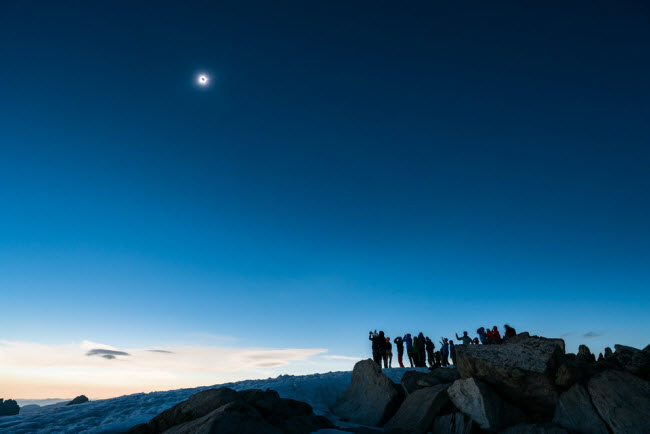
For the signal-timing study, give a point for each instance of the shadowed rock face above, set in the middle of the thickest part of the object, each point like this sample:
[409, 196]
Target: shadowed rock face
[226, 411]
[475, 399]
[622, 400]
[78, 400]
[522, 370]
[419, 409]
[575, 412]
[372, 397]
[633, 360]
[455, 423]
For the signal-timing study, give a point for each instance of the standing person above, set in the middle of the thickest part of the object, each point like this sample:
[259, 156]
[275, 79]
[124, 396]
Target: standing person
[430, 347]
[466, 339]
[490, 336]
[510, 332]
[444, 352]
[482, 336]
[422, 348]
[389, 354]
[377, 346]
[496, 336]
[409, 347]
[399, 343]
[438, 359]
[452, 352]
[416, 352]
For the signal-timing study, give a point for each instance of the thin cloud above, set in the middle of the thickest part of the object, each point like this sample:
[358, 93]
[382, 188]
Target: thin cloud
[335, 357]
[161, 351]
[564, 335]
[107, 354]
[590, 335]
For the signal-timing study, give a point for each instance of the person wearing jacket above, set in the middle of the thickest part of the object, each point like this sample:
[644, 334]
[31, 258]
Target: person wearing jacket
[409, 347]
[416, 352]
[388, 356]
[430, 347]
[422, 350]
[444, 352]
[496, 336]
[466, 339]
[378, 346]
[510, 332]
[452, 352]
[483, 336]
[399, 343]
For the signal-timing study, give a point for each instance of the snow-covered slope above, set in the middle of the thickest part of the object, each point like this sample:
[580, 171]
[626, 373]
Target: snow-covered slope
[119, 414]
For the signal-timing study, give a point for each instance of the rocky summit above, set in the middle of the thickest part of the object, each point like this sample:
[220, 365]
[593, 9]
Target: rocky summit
[527, 385]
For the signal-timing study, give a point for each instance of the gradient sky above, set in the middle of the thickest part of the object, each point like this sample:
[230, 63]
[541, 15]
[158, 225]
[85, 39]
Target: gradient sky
[406, 166]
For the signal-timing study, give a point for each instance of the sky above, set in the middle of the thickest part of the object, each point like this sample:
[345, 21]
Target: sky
[402, 166]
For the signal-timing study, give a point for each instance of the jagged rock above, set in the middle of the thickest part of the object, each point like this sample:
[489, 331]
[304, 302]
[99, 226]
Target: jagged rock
[600, 357]
[521, 371]
[417, 412]
[448, 374]
[455, 423]
[535, 429]
[222, 409]
[622, 400]
[575, 412]
[372, 397]
[634, 360]
[476, 400]
[195, 407]
[414, 380]
[585, 355]
[9, 407]
[574, 371]
[237, 417]
[78, 400]
[608, 352]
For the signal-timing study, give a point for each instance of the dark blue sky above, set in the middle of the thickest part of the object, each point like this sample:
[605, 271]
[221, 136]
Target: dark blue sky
[409, 166]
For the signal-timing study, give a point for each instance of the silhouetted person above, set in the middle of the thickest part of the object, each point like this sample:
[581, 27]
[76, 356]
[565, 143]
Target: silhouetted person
[378, 346]
[495, 336]
[466, 339]
[452, 351]
[444, 352]
[388, 357]
[510, 332]
[438, 359]
[483, 336]
[430, 346]
[399, 343]
[409, 347]
[422, 343]
[475, 341]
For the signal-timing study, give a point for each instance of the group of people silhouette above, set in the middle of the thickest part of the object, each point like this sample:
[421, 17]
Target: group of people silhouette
[420, 349]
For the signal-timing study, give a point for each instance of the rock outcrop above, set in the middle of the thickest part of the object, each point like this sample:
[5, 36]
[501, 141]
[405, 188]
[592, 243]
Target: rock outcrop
[576, 413]
[522, 370]
[78, 400]
[535, 429]
[372, 397]
[9, 407]
[454, 423]
[633, 360]
[417, 412]
[226, 411]
[476, 400]
[622, 400]
[414, 380]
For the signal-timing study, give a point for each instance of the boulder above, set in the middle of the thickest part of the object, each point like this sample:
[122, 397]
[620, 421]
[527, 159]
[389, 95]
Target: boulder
[414, 380]
[575, 412]
[476, 400]
[447, 374]
[535, 429]
[585, 355]
[417, 412]
[78, 400]
[574, 371]
[608, 353]
[236, 417]
[195, 407]
[372, 397]
[634, 360]
[622, 400]
[455, 423]
[522, 371]
[9, 407]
